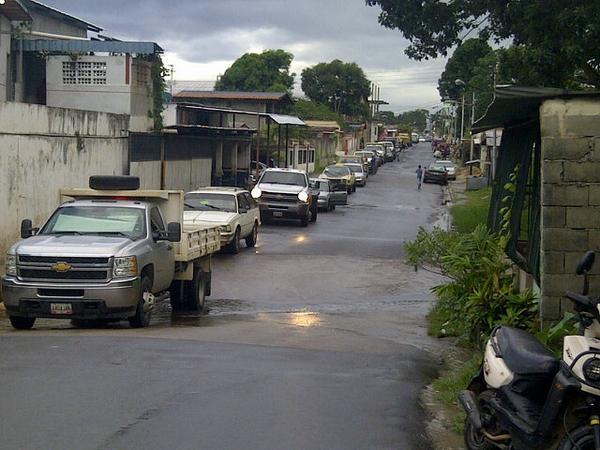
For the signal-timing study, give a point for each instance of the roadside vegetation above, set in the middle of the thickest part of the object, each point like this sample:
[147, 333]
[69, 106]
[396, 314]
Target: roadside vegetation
[477, 295]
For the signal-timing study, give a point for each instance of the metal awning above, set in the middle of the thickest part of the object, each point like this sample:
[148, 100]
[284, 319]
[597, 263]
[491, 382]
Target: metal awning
[281, 119]
[514, 105]
[212, 130]
[81, 46]
[15, 10]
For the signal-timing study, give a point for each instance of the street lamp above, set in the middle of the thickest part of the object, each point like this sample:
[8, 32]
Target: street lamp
[462, 84]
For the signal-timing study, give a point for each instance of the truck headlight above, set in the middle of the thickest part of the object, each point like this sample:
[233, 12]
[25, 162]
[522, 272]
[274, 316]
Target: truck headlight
[256, 192]
[11, 265]
[125, 266]
[303, 196]
[225, 228]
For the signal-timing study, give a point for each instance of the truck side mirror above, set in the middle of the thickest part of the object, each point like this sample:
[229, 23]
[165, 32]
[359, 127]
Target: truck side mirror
[174, 232]
[26, 229]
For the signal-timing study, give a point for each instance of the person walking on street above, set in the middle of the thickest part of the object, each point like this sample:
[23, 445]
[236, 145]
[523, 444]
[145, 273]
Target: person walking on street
[419, 176]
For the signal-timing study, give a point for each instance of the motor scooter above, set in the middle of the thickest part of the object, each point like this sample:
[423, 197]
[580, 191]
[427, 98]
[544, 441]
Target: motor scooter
[525, 398]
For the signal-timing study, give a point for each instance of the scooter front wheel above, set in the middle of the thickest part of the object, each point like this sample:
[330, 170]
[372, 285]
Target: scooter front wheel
[581, 438]
[474, 439]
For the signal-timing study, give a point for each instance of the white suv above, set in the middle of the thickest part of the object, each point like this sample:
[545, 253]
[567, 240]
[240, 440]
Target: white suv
[232, 209]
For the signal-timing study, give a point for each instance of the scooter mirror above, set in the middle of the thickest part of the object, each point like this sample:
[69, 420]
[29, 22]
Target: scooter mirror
[586, 263]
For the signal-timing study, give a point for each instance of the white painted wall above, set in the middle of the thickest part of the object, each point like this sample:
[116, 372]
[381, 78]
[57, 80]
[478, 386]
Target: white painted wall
[119, 95]
[41, 152]
[4, 53]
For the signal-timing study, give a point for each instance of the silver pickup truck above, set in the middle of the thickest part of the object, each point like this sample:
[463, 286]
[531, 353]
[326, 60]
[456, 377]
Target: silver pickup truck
[108, 252]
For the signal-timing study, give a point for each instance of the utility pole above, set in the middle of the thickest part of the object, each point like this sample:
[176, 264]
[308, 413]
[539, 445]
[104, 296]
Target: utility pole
[172, 73]
[472, 122]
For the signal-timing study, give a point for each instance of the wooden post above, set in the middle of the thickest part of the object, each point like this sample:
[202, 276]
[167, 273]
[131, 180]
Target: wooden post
[257, 146]
[268, 139]
[287, 138]
[278, 145]
[163, 163]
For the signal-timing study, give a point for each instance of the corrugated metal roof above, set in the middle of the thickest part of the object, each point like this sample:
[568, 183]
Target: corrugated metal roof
[281, 119]
[322, 124]
[15, 10]
[78, 46]
[40, 6]
[517, 104]
[232, 95]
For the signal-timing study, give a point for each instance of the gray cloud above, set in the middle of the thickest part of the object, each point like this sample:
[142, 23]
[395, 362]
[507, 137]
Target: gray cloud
[205, 31]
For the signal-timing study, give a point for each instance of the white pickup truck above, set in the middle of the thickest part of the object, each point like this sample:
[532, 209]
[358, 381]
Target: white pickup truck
[108, 253]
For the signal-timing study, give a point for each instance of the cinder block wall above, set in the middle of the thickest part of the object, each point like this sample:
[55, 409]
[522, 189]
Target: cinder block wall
[570, 131]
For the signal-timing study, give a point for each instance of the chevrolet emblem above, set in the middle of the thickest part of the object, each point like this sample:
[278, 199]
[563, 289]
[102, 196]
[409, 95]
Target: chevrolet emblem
[61, 267]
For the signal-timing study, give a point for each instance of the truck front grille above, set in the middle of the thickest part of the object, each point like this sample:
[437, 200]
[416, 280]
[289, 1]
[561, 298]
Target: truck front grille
[273, 197]
[64, 268]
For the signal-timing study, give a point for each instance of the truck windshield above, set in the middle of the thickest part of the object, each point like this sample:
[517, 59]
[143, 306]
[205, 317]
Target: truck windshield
[100, 220]
[337, 171]
[291, 178]
[210, 202]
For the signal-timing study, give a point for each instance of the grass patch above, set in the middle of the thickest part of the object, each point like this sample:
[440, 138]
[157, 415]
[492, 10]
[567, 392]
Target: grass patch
[472, 211]
[448, 386]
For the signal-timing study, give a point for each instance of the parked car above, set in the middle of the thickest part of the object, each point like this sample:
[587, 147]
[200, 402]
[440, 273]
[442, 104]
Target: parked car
[378, 150]
[233, 210]
[369, 155]
[435, 173]
[286, 194]
[390, 154]
[359, 173]
[341, 173]
[450, 168]
[331, 193]
[108, 253]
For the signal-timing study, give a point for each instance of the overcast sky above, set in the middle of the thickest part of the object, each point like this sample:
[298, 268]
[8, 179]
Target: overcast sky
[202, 38]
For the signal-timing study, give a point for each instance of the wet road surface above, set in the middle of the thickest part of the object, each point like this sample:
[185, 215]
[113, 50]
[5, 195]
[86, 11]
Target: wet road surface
[314, 339]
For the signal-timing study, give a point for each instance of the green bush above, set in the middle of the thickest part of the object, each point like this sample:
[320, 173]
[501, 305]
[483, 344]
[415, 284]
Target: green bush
[472, 212]
[480, 293]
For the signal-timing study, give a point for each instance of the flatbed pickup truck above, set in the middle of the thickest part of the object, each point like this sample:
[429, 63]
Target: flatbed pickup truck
[109, 253]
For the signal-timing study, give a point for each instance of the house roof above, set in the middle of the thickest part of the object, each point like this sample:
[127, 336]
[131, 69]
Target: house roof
[85, 46]
[15, 10]
[513, 105]
[34, 5]
[280, 119]
[233, 95]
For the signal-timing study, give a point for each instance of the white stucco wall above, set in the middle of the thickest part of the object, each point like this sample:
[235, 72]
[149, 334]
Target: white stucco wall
[44, 149]
[122, 94]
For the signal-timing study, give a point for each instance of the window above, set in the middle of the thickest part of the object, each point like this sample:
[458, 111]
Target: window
[84, 72]
[198, 201]
[250, 200]
[243, 203]
[156, 222]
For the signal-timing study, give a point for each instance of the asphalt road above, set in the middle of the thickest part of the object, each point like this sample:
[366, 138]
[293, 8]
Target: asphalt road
[315, 339]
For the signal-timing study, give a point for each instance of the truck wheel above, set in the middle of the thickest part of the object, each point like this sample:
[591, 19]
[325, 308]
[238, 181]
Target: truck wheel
[195, 292]
[143, 312]
[234, 245]
[22, 323]
[251, 240]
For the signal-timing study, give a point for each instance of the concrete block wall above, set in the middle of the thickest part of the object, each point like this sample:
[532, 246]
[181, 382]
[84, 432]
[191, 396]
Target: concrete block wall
[44, 149]
[570, 131]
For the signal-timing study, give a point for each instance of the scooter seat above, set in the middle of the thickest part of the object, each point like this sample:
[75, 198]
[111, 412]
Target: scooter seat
[524, 354]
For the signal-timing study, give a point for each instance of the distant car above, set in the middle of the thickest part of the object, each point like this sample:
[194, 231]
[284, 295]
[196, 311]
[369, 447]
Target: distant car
[378, 150]
[342, 173]
[435, 173]
[390, 154]
[232, 209]
[450, 168]
[359, 173]
[355, 159]
[369, 155]
[422, 139]
[331, 193]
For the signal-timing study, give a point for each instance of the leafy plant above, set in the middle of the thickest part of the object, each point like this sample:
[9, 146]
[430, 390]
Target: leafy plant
[480, 293]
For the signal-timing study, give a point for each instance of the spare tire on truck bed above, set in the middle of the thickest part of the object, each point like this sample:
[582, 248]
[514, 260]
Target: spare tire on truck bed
[114, 183]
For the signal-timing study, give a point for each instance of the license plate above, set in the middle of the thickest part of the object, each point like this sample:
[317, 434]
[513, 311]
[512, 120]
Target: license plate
[61, 308]
[277, 214]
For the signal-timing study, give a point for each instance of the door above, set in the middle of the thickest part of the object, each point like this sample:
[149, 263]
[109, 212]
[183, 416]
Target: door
[253, 211]
[162, 251]
[245, 215]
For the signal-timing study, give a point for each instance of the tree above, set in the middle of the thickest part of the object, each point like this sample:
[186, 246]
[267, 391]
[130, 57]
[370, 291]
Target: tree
[417, 118]
[309, 110]
[461, 65]
[342, 86]
[388, 117]
[268, 71]
[562, 34]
